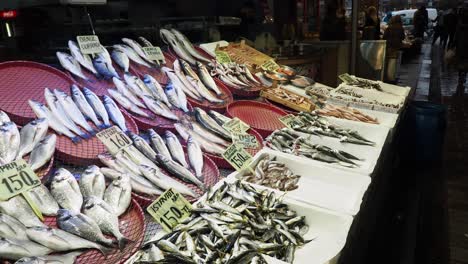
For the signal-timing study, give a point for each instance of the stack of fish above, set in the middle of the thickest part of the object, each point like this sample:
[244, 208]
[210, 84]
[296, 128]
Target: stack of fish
[131, 50]
[206, 130]
[234, 224]
[316, 125]
[272, 173]
[182, 46]
[346, 113]
[85, 211]
[142, 97]
[235, 75]
[31, 139]
[290, 141]
[199, 86]
[142, 162]
[68, 115]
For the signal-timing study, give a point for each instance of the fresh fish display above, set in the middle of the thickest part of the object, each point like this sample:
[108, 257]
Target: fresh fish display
[156, 89]
[121, 59]
[42, 152]
[44, 200]
[164, 182]
[289, 141]
[320, 126]
[114, 113]
[70, 64]
[218, 232]
[125, 91]
[206, 78]
[13, 249]
[179, 85]
[272, 173]
[9, 142]
[12, 228]
[50, 259]
[195, 156]
[103, 68]
[92, 182]
[118, 194]
[136, 85]
[137, 48]
[18, 208]
[158, 144]
[73, 111]
[83, 59]
[126, 103]
[179, 171]
[66, 191]
[97, 105]
[131, 54]
[171, 40]
[189, 47]
[4, 118]
[106, 218]
[81, 225]
[202, 139]
[204, 119]
[175, 148]
[346, 113]
[85, 108]
[158, 108]
[234, 75]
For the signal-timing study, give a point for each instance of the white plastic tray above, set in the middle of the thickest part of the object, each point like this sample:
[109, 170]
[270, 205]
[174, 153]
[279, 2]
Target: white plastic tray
[324, 187]
[210, 47]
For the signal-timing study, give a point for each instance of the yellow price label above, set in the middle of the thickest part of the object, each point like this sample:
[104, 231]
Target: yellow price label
[154, 53]
[237, 157]
[346, 78]
[236, 125]
[291, 121]
[222, 56]
[245, 140]
[15, 178]
[270, 65]
[170, 209]
[114, 139]
[89, 44]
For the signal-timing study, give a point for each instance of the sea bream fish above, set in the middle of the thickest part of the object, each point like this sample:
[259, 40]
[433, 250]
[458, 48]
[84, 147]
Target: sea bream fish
[4, 118]
[18, 208]
[66, 191]
[156, 89]
[85, 108]
[92, 182]
[97, 105]
[132, 55]
[121, 59]
[12, 228]
[73, 111]
[118, 194]
[42, 152]
[83, 59]
[9, 142]
[44, 200]
[51, 259]
[114, 113]
[126, 103]
[70, 64]
[14, 249]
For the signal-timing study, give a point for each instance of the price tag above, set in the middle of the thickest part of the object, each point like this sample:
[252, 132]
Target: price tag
[237, 157]
[89, 44]
[15, 178]
[170, 209]
[154, 53]
[114, 139]
[346, 78]
[222, 56]
[290, 121]
[236, 125]
[270, 65]
[245, 140]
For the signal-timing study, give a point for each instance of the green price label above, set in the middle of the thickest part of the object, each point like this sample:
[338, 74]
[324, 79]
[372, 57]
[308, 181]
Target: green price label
[89, 44]
[154, 53]
[237, 157]
[222, 56]
[291, 121]
[114, 139]
[236, 126]
[270, 65]
[15, 178]
[245, 140]
[346, 78]
[170, 209]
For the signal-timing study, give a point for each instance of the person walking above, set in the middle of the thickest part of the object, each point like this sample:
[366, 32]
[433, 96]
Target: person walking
[450, 24]
[439, 30]
[420, 21]
[372, 24]
[461, 43]
[394, 35]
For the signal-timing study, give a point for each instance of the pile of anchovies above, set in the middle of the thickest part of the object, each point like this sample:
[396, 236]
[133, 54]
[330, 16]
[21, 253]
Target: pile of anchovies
[316, 125]
[289, 141]
[235, 224]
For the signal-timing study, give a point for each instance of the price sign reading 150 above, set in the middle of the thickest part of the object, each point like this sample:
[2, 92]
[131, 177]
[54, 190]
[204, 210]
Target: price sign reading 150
[170, 209]
[15, 178]
[114, 139]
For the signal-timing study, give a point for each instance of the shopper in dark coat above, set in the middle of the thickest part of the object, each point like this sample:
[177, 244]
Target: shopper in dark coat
[461, 45]
[394, 35]
[333, 26]
[420, 21]
[450, 24]
[372, 24]
[440, 30]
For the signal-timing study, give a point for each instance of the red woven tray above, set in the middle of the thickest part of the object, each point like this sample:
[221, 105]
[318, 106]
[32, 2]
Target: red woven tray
[223, 164]
[211, 177]
[205, 105]
[158, 123]
[85, 152]
[131, 224]
[23, 80]
[262, 117]
[160, 76]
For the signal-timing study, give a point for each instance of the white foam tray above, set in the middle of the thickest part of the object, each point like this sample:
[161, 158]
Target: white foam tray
[210, 47]
[323, 187]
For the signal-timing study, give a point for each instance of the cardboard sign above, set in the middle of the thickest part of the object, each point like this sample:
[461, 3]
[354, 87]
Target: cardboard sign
[290, 121]
[245, 140]
[222, 56]
[170, 209]
[237, 157]
[15, 178]
[236, 125]
[154, 53]
[270, 65]
[89, 44]
[114, 139]
[346, 78]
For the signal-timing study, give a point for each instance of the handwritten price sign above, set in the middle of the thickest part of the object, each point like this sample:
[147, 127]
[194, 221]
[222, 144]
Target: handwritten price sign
[245, 140]
[114, 139]
[89, 44]
[270, 65]
[154, 53]
[291, 121]
[170, 209]
[15, 178]
[222, 56]
[236, 125]
[237, 157]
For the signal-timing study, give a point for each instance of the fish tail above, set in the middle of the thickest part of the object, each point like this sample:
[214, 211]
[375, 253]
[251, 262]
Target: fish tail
[85, 136]
[92, 132]
[75, 139]
[103, 126]
[123, 242]
[105, 250]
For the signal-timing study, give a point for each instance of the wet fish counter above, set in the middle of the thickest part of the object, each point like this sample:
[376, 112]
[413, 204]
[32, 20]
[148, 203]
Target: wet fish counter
[116, 157]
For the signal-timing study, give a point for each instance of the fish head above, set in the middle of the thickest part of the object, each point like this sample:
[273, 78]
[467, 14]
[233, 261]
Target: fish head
[169, 86]
[62, 175]
[190, 140]
[165, 35]
[75, 91]
[60, 94]
[99, 60]
[200, 65]
[92, 169]
[90, 202]
[31, 260]
[122, 180]
[148, 79]
[169, 134]
[162, 158]
[130, 79]
[64, 215]
[107, 99]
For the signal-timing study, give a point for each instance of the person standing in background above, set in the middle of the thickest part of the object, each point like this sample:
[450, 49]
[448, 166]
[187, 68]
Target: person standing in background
[333, 25]
[420, 21]
[372, 24]
[460, 42]
[439, 30]
[394, 35]
[450, 24]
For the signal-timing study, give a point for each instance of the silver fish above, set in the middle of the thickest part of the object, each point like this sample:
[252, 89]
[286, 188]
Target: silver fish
[83, 59]
[12, 228]
[206, 145]
[204, 119]
[219, 118]
[44, 200]
[126, 103]
[125, 91]
[118, 195]
[70, 64]
[92, 182]
[136, 85]
[179, 171]
[204, 92]
[161, 180]
[68, 258]
[189, 47]
[42, 152]
[143, 146]
[115, 114]
[171, 40]
[158, 144]
[85, 108]
[18, 208]
[66, 191]
[145, 42]
[139, 183]
[4, 118]
[177, 85]
[81, 225]
[132, 55]
[207, 79]
[156, 89]
[103, 68]
[104, 215]
[180, 74]
[9, 142]
[172, 96]
[249, 74]
[175, 148]
[210, 136]
[121, 59]
[42, 111]
[195, 156]
[97, 105]
[73, 111]
[14, 249]
[158, 108]
[137, 48]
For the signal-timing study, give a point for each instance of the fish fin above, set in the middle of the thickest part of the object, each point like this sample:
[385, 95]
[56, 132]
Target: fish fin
[76, 139]
[123, 242]
[103, 126]
[92, 132]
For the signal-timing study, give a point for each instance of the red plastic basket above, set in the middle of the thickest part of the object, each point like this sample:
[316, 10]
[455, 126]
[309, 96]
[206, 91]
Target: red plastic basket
[210, 178]
[262, 117]
[205, 105]
[160, 76]
[23, 80]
